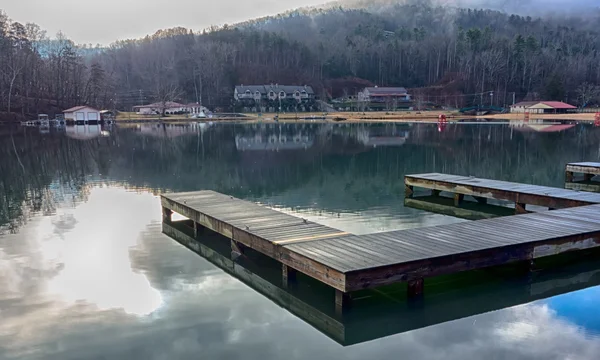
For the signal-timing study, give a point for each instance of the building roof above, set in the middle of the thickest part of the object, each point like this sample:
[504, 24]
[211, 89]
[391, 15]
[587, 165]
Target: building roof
[386, 91]
[544, 104]
[558, 105]
[264, 89]
[525, 104]
[159, 105]
[77, 108]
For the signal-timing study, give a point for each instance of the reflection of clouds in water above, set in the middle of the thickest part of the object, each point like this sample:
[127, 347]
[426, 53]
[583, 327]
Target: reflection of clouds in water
[103, 302]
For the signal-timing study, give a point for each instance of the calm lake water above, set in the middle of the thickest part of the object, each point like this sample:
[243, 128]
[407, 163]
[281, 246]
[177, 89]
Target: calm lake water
[87, 273]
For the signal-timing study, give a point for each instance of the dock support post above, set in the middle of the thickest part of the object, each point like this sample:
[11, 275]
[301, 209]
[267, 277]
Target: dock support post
[481, 200]
[569, 176]
[237, 249]
[408, 191]
[435, 192]
[198, 229]
[288, 275]
[588, 177]
[520, 208]
[458, 199]
[167, 213]
[416, 288]
[342, 301]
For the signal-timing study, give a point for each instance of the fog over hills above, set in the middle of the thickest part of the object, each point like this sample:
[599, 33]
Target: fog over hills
[521, 7]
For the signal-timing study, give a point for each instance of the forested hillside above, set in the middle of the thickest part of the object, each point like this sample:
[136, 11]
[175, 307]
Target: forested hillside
[448, 55]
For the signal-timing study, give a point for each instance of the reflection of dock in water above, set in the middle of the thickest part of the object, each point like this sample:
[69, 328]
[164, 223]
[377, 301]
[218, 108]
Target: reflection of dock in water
[376, 315]
[466, 210]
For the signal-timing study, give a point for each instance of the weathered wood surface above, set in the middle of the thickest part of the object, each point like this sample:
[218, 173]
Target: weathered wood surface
[584, 168]
[348, 262]
[260, 228]
[583, 186]
[502, 190]
[401, 256]
[385, 319]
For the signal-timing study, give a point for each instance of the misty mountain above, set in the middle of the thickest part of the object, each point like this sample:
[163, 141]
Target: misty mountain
[532, 8]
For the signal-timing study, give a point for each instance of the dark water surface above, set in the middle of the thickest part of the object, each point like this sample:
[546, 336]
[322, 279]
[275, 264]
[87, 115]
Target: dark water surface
[87, 273]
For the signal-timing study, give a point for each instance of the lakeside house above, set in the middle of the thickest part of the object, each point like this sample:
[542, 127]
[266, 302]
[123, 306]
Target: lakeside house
[384, 98]
[383, 94]
[170, 108]
[542, 107]
[270, 97]
[82, 113]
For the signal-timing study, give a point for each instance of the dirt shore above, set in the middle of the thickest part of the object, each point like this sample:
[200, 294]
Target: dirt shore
[401, 117]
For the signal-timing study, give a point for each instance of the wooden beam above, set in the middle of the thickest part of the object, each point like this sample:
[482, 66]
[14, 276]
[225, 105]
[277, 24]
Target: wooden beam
[458, 199]
[408, 191]
[167, 214]
[569, 176]
[288, 275]
[342, 301]
[237, 249]
[416, 288]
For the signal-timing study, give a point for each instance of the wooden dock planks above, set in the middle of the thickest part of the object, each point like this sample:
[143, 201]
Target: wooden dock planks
[588, 169]
[520, 194]
[348, 262]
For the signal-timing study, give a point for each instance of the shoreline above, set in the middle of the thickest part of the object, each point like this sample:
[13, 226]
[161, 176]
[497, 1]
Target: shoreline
[431, 116]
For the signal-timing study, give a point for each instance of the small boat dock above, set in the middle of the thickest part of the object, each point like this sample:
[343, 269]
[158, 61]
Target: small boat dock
[349, 263]
[484, 189]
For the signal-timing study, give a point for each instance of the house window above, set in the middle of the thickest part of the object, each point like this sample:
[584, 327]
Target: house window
[248, 92]
[282, 94]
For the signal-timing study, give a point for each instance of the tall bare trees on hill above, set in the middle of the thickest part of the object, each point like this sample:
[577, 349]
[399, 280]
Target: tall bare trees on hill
[452, 56]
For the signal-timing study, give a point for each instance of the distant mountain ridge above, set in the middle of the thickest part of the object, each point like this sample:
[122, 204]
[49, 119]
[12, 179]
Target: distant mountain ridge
[532, 8]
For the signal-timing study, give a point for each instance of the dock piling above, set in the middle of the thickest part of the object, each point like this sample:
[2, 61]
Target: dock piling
[288, 275]
[167, 214]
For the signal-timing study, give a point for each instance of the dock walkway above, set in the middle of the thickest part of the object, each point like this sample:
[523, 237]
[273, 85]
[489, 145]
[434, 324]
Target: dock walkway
[483, 189]
[349, 263]
[588, 169]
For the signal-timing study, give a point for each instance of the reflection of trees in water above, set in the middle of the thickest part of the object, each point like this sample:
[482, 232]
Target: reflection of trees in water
[29, 168]
[339, 166]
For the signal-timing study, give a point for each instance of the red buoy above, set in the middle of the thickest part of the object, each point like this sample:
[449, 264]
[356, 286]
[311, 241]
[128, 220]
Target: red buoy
[442, 118]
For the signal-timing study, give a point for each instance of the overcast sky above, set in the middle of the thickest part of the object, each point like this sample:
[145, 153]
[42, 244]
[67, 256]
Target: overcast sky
[104, 21]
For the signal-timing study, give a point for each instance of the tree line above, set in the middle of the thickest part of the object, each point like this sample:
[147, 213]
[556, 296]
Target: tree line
[446, 56]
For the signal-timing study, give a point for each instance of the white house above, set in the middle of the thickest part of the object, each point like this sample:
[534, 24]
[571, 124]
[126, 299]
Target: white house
[170, 107]
[82, 113]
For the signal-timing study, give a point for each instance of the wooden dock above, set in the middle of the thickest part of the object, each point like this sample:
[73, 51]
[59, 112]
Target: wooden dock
[349, 263]
[588, 169]
[380, 316]
[483, 189]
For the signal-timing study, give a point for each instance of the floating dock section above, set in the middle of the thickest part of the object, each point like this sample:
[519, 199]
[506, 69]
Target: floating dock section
[483, 189]
[350, 263]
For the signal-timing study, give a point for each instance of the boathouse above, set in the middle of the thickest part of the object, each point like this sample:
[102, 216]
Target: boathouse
[82, 113]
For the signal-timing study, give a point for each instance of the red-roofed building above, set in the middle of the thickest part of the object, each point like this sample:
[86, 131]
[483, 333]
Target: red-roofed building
[542, 107]
[551, 107]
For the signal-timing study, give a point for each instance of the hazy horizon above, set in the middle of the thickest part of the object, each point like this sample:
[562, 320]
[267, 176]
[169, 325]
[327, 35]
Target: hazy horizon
[94, 22]
[97, 22]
